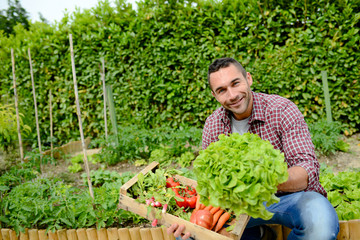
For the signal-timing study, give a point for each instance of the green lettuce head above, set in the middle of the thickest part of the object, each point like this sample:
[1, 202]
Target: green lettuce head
[240, 173]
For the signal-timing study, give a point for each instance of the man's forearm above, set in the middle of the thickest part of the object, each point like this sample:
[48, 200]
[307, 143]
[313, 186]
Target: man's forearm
[297, 181]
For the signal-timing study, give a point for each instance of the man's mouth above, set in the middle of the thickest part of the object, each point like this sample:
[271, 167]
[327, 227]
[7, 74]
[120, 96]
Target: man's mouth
[237, 103]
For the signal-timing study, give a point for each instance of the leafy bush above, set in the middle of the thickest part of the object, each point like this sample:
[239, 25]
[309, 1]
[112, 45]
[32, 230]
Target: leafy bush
[15, 176]
[100, 177]
[50, 204]
[139, 143]
[8, 127]
[326, 137]
[76, 162]
[157, 58]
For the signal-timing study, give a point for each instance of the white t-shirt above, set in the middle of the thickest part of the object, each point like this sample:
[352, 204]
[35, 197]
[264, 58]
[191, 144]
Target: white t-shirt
[240, 126]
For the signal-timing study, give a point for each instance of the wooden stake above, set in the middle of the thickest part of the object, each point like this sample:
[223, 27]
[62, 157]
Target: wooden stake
[327, 96]
[86, 163]
[104, 95]
[51, 126]
[35, 104]
[16, 106]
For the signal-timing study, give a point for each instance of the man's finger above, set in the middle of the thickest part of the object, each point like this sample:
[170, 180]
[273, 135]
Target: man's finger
[179, 231]
[186, 236]
[170, 230]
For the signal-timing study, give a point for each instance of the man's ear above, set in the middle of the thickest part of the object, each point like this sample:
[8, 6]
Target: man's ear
[249, 78]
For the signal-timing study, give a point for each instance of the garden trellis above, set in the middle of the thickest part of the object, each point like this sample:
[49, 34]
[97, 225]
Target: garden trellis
[19, 122]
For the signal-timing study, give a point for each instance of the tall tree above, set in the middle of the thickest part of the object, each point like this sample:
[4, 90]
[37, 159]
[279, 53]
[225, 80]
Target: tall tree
[10, 17]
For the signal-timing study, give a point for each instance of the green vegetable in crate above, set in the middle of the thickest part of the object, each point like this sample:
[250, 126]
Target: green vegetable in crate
[240, 173]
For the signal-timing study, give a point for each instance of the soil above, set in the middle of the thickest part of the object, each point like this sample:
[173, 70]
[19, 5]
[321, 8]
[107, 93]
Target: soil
[343, 161]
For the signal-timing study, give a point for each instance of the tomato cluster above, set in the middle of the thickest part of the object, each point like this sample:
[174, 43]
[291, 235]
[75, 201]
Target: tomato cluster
[187, 194]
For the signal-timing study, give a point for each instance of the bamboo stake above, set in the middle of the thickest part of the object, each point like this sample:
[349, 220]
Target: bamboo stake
[16, 107]
[104, 95]
[86, 163]
[51, 126]
[35, 104]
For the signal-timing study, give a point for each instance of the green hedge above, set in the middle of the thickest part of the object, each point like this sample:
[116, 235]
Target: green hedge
[157, 59]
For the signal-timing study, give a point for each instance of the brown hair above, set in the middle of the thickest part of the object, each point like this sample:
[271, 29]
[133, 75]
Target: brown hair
[223, 63]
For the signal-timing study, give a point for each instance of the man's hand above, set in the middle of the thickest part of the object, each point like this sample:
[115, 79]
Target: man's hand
[178, 231]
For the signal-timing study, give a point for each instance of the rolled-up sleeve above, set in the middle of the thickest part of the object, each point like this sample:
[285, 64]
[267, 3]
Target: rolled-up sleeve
[298, 147]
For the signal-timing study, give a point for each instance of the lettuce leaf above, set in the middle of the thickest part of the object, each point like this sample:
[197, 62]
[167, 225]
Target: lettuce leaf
[240, 173]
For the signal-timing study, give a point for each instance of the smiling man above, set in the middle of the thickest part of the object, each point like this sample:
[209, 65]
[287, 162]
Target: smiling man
[303, 205]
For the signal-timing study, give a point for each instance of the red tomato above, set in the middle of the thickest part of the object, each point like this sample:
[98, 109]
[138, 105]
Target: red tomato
[202, 218]
[192, 201]
[172, 182]
[190, 190]
[180, 204]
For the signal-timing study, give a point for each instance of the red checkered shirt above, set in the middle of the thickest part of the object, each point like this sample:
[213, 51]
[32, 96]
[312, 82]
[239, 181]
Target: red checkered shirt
[279, 121]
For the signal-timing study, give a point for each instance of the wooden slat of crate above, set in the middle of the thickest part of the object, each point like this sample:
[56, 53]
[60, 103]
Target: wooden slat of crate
[132, 181]
[354, 229]
[198, 232]
[286, 232]
[344, 231]
[278, 230]
[166, 235]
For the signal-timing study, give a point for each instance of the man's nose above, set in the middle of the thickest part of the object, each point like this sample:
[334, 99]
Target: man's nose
[232, 94]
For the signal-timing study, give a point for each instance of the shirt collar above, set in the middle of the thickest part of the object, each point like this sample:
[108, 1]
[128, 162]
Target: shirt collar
[257, 111]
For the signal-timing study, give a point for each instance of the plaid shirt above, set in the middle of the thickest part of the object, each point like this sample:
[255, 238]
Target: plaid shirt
[279, 121]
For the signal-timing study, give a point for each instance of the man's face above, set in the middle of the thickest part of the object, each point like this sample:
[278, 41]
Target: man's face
[232, 90]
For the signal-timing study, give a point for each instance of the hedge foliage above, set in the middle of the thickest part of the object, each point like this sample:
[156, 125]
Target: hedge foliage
[157, 58]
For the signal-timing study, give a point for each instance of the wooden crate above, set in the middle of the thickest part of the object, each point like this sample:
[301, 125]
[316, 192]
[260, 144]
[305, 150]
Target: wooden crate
[199, 233]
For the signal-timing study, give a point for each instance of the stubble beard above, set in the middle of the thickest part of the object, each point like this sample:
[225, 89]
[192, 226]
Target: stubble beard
[244, 105]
